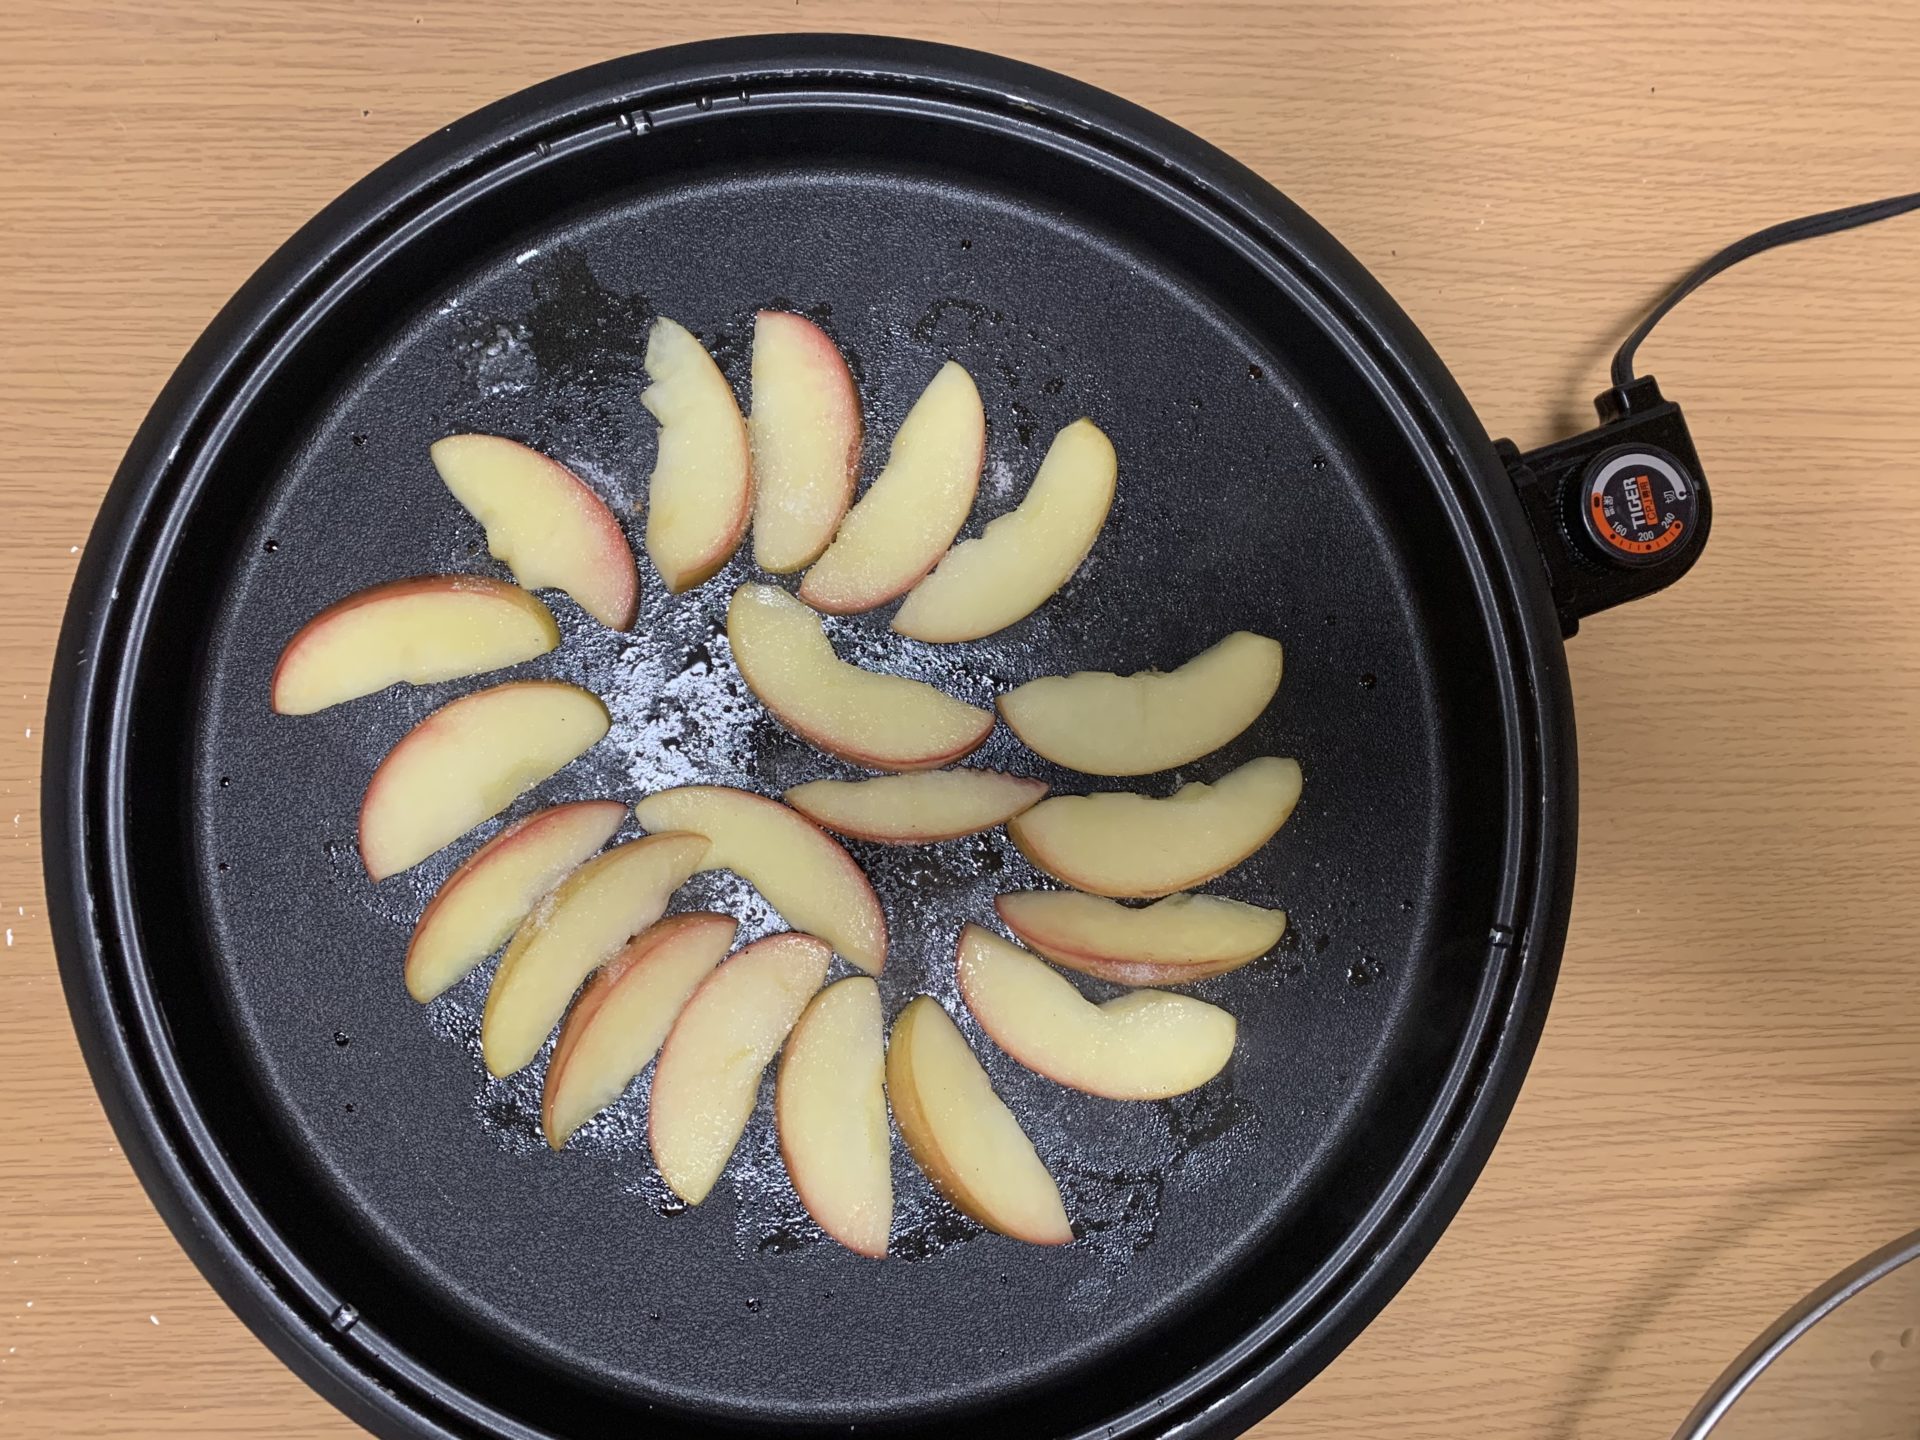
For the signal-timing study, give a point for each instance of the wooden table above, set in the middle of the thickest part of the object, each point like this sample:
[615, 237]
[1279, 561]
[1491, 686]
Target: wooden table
[1726, 1106]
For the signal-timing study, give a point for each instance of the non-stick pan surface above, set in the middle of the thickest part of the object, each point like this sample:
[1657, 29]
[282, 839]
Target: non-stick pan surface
[1292, 461]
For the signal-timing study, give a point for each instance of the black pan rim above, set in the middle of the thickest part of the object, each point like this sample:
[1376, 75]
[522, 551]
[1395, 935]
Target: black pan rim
[96, 929]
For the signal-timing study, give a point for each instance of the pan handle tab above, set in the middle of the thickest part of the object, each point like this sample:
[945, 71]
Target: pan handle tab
[1619, 511]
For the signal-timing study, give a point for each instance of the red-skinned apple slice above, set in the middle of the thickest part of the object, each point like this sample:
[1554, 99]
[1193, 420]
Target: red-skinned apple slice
[830, 1106]
[985, 585]
[571, 933]
[541, 519]
[1133, 846]
[1104, 724]
[805, 429]
[1145, 1045]
[481, 903]
[887, 722]
[623, 1014]
[910, 514]
[916, 809]
[962, 1134]
[801, 870]
[469, 760]
[419, 631]
[709, 1071]
[702, 487]
[1174, 941]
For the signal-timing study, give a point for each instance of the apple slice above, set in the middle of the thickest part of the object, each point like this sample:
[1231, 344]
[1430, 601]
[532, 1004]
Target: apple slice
[571, 933]
[552, 531]
[800, 869]
[1174, 941]
[1135, 846]
[468, 760]
[962, 1135]
[494, 888]
[831, 1108]
[1104, 724]
[805, 429]
[623, 1014]
[709, 1071]
[1145, 1045]
[916, 809]
[1021, 558]
[435, 627]
[702, 485]
[887, 722]
[912, 511]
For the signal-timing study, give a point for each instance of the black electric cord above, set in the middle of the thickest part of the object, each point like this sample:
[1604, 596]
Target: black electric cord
[1806, 228]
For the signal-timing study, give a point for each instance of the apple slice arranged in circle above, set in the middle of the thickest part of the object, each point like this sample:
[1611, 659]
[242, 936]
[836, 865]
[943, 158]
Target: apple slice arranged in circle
[571, 933]
[1132, 846]
[477, 908]
[434, 627]
[701, 491]
[962, 1134]
[887, 722]
[468, 760]
[1020, 559]
[805, 429]
[623, 1014]
[1174, 941]
[1145, 1045]
[801, 870]
[830, 1106]
[910, 514]
[917, 809]
[552, 531]
[709, 1071]
[1104, 724]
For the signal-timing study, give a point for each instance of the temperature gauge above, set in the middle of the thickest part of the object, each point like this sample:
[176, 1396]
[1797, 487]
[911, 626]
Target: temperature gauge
[1639, 505]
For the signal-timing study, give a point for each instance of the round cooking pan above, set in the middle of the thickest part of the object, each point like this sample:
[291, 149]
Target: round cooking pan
[1294, 460]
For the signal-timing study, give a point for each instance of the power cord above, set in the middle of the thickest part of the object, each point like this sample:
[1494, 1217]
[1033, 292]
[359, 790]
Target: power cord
[1809, 227]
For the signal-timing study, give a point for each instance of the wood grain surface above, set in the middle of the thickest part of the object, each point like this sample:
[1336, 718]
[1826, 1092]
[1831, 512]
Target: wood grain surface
[1726, 1105]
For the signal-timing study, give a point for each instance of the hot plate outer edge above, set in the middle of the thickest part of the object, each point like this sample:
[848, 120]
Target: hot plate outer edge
[121, 1033]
